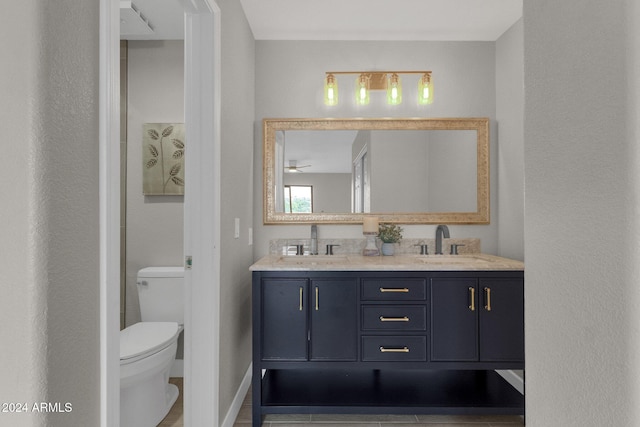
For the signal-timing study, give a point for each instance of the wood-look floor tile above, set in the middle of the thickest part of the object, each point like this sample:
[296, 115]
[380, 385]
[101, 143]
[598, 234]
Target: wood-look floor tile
[175, 417]
[448, 419]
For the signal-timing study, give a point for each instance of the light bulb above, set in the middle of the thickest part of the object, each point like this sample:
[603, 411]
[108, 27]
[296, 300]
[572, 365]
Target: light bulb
[425, 89]
[362, 90]
[330, 90]
[394, 90]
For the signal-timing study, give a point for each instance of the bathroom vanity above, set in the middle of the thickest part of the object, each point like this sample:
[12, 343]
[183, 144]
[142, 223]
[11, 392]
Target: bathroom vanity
[386, 335]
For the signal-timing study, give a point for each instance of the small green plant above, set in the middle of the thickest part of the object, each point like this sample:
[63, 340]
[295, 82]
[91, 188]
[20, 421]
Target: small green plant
[390, 233]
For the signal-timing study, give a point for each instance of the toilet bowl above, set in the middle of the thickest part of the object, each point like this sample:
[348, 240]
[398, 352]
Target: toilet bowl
[147, 351]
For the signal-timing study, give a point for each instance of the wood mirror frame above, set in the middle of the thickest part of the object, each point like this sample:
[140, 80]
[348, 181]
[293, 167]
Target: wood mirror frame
[480, 125]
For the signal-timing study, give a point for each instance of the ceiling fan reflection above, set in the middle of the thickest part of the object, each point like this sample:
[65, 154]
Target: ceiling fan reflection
[294, 168]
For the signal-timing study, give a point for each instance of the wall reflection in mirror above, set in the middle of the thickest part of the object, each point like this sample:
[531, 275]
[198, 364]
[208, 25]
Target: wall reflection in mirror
[409, 170]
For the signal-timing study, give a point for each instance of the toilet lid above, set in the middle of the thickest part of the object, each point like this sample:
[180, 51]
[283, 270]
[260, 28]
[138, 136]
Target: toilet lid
[146, 337]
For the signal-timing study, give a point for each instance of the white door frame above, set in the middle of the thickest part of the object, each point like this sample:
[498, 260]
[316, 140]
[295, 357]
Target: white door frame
[202, 211]
[109, 196]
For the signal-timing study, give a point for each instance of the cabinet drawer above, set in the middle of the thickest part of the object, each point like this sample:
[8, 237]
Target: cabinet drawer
[394, 318]
[394, 349]
[394, 289]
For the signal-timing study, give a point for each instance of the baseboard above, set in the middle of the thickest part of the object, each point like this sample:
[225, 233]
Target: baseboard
[232, 414]
[177, 369]
[516, 379]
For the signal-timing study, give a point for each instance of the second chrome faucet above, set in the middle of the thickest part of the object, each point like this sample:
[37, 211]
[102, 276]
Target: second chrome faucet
[313, 247]
[442, 231]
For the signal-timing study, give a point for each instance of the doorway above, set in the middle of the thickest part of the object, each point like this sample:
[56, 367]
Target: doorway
[201, 211]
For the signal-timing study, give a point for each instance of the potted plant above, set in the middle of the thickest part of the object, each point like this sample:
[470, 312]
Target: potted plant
[389, 234]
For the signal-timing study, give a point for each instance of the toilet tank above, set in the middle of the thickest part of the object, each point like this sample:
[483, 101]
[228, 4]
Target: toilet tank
[161, 294]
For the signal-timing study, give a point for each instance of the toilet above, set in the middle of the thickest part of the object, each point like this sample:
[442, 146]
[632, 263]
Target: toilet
[148, 349]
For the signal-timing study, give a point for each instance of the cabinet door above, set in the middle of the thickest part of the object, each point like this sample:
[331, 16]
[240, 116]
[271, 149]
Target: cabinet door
[334, 319]
[284, 319]
[501, 320]
[454, 320]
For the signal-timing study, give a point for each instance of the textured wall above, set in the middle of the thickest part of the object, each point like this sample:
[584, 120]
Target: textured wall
[50, 290]
[581, 213]
[22, 304]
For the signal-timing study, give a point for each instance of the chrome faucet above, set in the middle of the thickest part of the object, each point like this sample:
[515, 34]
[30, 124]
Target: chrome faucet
[313, 248]
[441, 231]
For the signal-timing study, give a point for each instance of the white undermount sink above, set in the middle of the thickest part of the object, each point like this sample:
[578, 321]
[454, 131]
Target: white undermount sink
[312, 259]
[449, 259]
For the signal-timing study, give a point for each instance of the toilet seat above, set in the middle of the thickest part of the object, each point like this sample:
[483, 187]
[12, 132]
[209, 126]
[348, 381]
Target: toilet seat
[146, 338]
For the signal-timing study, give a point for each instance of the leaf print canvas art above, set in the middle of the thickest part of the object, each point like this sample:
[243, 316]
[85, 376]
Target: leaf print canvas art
[163, 159]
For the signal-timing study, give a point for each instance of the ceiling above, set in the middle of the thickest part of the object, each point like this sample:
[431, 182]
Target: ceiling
[461, 20]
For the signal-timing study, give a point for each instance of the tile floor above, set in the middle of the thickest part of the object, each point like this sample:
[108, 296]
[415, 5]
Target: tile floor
[244, 420]
[175, 418]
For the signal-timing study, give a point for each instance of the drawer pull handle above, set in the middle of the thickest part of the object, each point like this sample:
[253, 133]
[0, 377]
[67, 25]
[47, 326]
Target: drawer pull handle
[394, 350]
[394, 319]
[403, 290]
[472, 295]
[300, 307]
[317, 300]
[488, 299]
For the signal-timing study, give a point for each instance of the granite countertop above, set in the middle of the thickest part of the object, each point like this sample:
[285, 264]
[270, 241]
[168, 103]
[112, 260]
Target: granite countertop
[356, 262]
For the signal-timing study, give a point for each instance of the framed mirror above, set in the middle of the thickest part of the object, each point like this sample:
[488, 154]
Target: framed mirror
[409, 171]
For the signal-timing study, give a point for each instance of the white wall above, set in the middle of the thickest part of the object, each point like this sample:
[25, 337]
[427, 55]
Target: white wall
[154, 223]
[237, 118]
[50, 220]
[582, 170]
[289, 83]
[24, 367]
[510, 115]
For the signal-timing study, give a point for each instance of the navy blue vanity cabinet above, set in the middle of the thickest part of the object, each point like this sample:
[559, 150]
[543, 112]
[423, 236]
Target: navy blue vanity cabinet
[454, 320]
[477, 319]
[284, 319]
[334, 320]
[386, 342]
[394, 319]
[501, 316]
[309, 319]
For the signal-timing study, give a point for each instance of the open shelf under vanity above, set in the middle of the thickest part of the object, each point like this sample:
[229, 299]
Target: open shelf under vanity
[388, 392]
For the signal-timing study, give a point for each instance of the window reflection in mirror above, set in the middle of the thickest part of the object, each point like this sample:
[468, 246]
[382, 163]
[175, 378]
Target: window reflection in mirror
[298, 199]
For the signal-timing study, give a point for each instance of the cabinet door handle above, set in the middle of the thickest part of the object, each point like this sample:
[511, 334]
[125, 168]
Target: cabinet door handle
[405, 290]
[487, 293]
[317, 301]
[394, 319]
[300, 298]
[394, 350]
[472, 296]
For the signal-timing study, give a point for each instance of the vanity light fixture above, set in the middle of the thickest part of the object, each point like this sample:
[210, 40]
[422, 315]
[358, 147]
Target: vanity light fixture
[389, 81]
